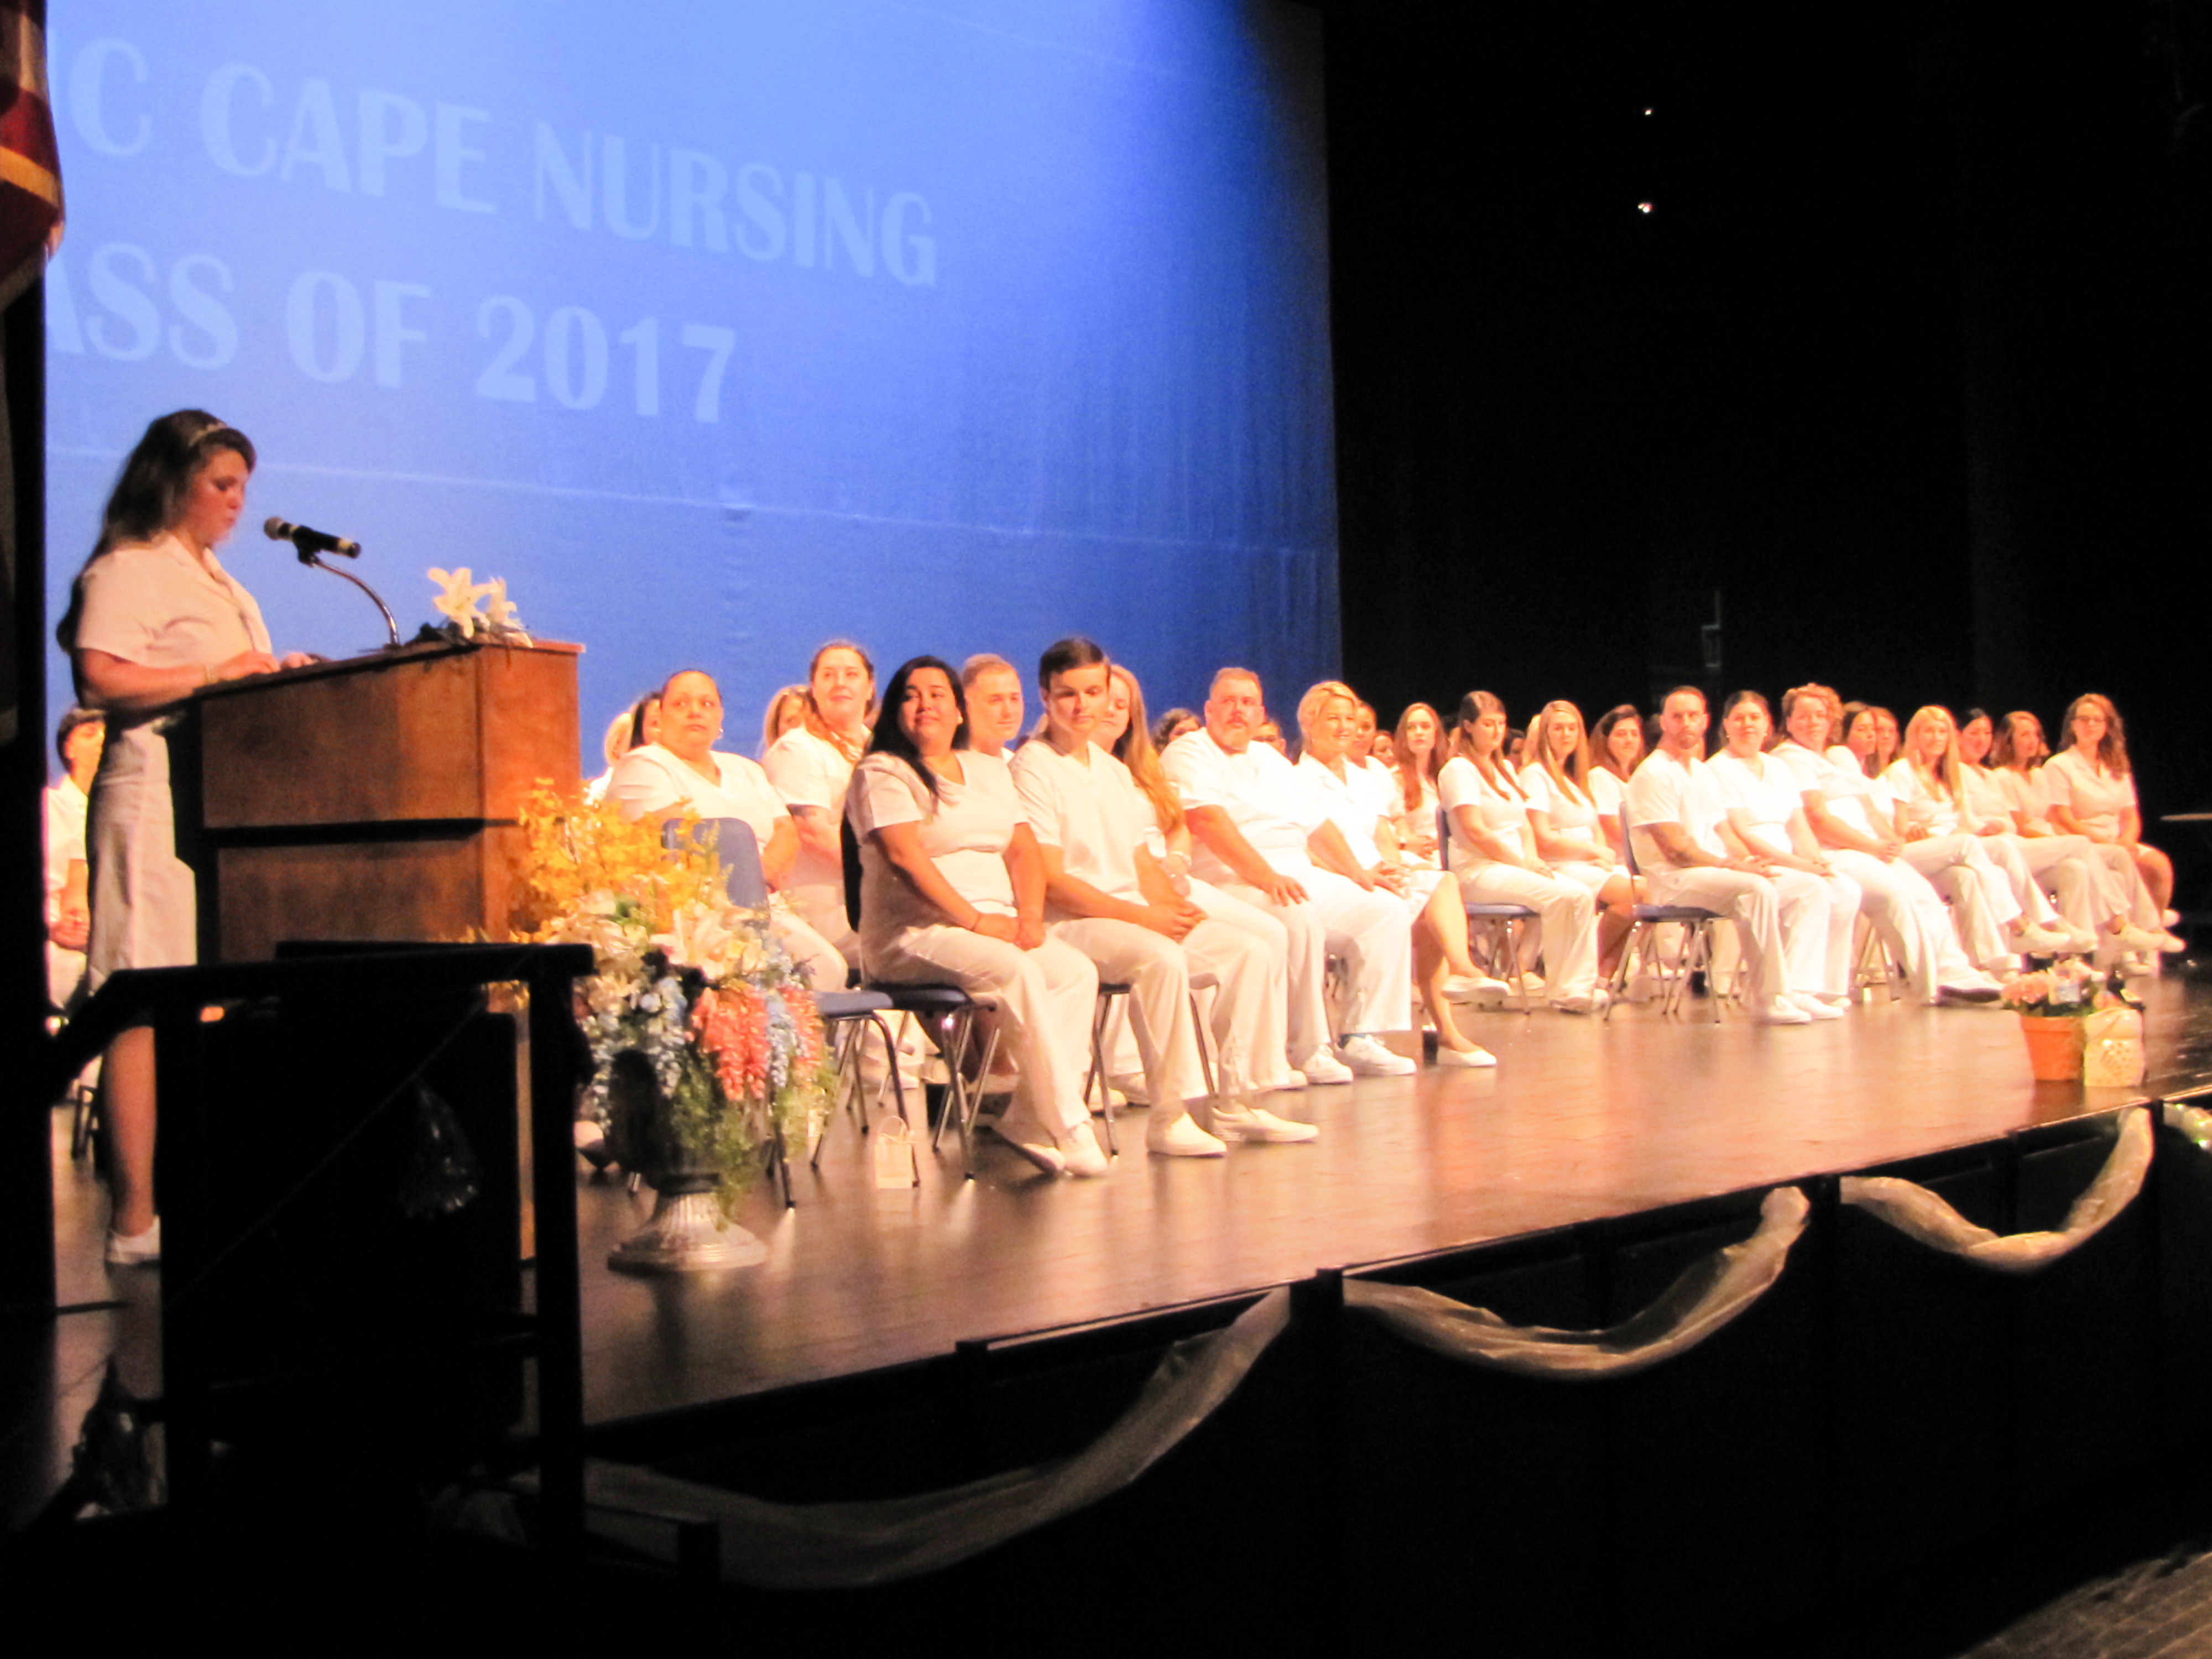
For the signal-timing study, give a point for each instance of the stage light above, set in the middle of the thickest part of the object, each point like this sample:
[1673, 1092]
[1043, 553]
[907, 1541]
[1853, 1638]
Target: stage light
[1643, 207]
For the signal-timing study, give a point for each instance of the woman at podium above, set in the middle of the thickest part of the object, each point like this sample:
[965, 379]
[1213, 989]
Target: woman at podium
[154, 617]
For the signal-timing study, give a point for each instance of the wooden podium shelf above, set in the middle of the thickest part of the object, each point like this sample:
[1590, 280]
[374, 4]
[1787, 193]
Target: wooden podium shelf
[376, 799]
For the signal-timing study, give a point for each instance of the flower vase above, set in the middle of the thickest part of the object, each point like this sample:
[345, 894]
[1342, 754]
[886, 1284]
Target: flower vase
[2054, 1047]
[688, 1232]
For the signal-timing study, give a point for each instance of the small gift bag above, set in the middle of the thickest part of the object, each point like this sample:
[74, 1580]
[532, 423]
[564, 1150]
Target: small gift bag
[2111, 1049]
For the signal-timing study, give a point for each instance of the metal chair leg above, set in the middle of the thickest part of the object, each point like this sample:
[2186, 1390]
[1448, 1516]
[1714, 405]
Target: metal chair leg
[1098, 1074]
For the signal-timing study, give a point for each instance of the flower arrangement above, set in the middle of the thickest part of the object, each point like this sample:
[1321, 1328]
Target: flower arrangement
[2067, 989]
[473, 610]
[703, 1038]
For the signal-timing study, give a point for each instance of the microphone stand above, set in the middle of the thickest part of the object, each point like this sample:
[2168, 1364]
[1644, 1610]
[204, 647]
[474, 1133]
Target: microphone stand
[316, 560]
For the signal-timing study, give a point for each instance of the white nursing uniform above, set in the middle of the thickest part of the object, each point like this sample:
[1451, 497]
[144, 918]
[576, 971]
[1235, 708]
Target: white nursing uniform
[65, 806]
[1574, 818]
[1416, 825]
[2068, 868]
[1355, 806]
[1681, 792]
[2008, 890]
[2028, 794]
[811, 772]
[1274, 810]
[1093, 812]
[154, 605]
[1564, 907]
[2095, 795]
[652, 781]
[1899, 903]
[1044, 997]
[1764, 790]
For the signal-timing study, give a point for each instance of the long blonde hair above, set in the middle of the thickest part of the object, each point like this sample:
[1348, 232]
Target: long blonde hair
[1133, 749]
[1575, 781]
[1947, 764]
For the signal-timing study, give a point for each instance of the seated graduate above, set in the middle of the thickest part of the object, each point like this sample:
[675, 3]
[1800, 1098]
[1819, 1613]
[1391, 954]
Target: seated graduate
[660, 779]
[1674, 807]
[2091, 789]
[953, 889]
[1493, 853]
[1107, 895]
[2005, 912]
[1852, 822]
[2017, 752]
[2093, 887]
[1252, 825]
[1563, 816]
[636, 727]
[1616, 750]
[1765, 821]
[1122, 733]
[991, 688]
[1442, 970]
[1417, 755]
[786, 711]
[811, 766]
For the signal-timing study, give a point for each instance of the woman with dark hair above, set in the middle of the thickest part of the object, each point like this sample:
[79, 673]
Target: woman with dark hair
[1617, 749]
[2093, 793]
[1172, 724]
[152, 618]
[952, 888]
[811, 766]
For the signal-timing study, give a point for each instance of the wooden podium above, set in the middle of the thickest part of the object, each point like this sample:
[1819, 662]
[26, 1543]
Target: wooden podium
[376, 799]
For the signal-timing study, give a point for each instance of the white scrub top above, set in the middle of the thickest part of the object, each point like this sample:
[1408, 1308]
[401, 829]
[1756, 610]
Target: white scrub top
[1666, 791]
[965, 829]
[1923, 804]
[1261, 793]
[805, 770]
[1352, 806]
[2095, 796]
[1765, 789]
[1503, 811]
[1094, 813]
[1573, 816]
[650, 779]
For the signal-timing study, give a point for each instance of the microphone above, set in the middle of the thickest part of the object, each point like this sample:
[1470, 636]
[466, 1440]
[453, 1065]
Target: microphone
[310, 542]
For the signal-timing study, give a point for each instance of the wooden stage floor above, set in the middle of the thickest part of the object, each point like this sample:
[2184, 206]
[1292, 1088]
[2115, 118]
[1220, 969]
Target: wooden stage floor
[1580, 1120]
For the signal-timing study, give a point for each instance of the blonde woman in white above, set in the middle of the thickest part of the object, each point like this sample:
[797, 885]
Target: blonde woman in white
[1441, 971]
[1564, 817]
[1860, 840]
[2002, 911]
[2017, 754]
[1763, 820]
[810, 767]
[2092, 788]
[1493, 853]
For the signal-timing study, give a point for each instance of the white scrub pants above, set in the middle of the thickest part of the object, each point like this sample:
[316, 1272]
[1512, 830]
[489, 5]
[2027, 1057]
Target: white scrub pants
[821, 962]
[1045, 996]
[2082, 884]
[1366, 928]
[1262, 1035]
[1248, 1001]
[1830, 970]
[1565, 910]
[823, 909]
[1904, 909]
[1982, 902]
[1766, 911]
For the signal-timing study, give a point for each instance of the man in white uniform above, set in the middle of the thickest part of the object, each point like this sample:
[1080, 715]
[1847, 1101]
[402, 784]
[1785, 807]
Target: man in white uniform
[1107, 895]
[993, 688]
[1252, 821]
[1672, 807]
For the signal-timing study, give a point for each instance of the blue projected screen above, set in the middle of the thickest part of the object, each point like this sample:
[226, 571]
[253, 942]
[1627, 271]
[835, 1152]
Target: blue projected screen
[718, 331]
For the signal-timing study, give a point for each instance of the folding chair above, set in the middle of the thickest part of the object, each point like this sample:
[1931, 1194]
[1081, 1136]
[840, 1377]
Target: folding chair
[1696, 920]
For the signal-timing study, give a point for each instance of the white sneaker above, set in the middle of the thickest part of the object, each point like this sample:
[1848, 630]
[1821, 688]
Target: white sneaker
[1781, 1011]
[1475, 987]
[1532, 983]
[1813, 1007]
[1472, 1057]
[135, 1249]
[1321, 1066]
[2041, 941]
[1181, 1138]
[1036, 1148]
[2140, 941]
[1642, 988]
[2170, 918]
[1293, 1079]
[1588, 1002]
[1234, 1122]
[1368, 1057]
[1132, 1085]
[1080, 1152]
[1981, 988]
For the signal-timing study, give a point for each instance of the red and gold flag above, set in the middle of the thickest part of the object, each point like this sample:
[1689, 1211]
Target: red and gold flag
[30, 167]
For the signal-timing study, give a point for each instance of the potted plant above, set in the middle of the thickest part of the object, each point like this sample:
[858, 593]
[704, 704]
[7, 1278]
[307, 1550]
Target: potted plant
[706, 1048]
[2053, 1003]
